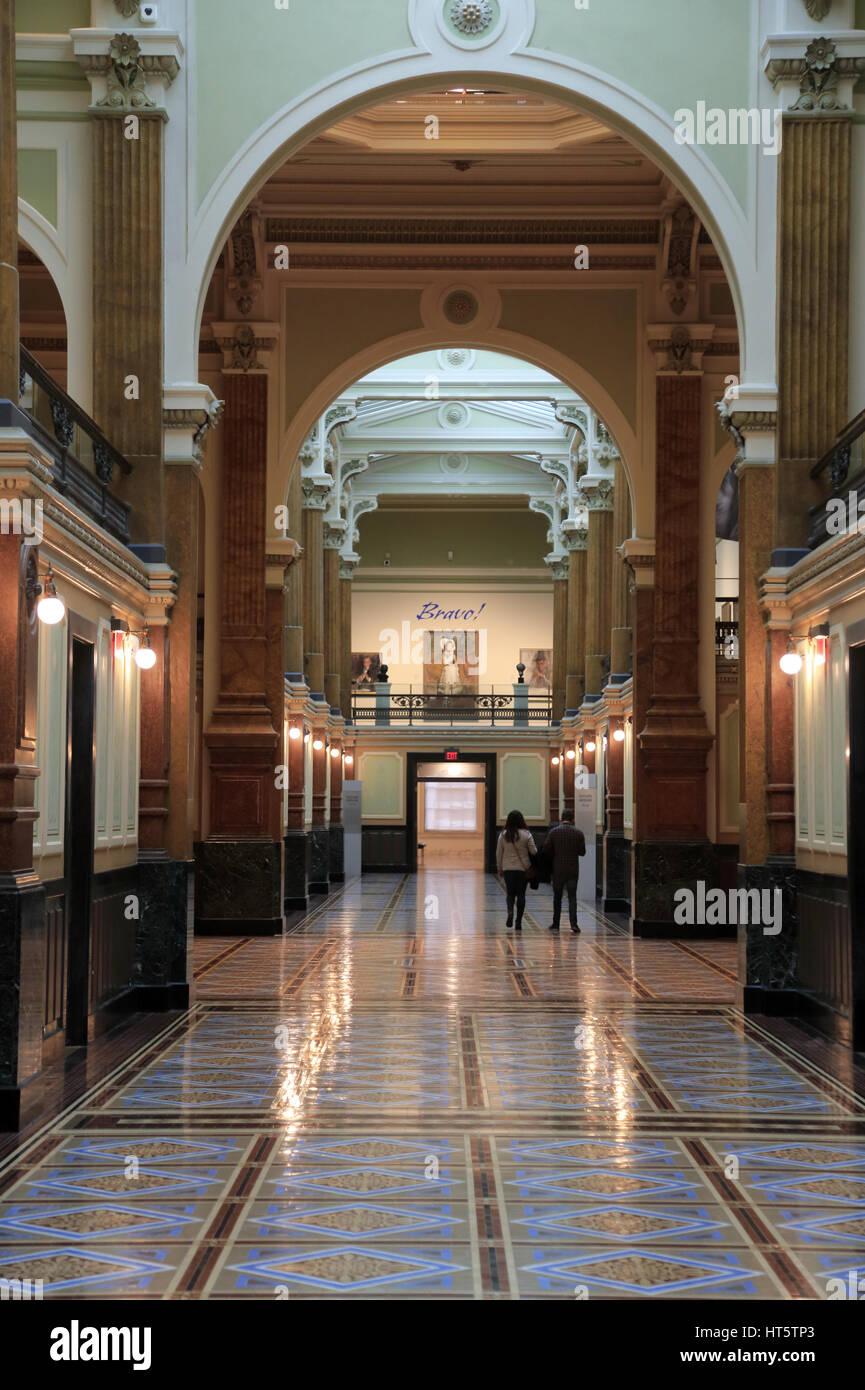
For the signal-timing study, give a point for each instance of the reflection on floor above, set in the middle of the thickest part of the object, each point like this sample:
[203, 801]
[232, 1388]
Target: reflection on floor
[402, 1100]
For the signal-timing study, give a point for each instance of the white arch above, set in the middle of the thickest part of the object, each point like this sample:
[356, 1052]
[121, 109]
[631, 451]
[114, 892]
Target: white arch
[38, 234]
[623, 108]
[640, 476]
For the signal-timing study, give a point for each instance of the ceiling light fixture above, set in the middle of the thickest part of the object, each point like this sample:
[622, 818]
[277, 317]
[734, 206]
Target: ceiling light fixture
[50, 609]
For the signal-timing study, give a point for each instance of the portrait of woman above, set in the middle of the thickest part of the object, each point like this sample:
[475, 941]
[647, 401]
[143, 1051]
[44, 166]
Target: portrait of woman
[538, 662]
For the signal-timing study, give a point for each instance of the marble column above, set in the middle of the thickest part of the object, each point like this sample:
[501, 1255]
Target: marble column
[332, 619]
[346, 570]
[559, 567]
[293, 610]
[672, 850]
[9, 318]
[621, 637]
[314, 503]
[297, 847]
[813, 307]
[616, 889]
[240, 863]
[640, 559]
[554, 785]
[576, 540]
[599, 558]
[127, 140]
[22, 896]
[319, 831]
[337, 857]
[569, 768]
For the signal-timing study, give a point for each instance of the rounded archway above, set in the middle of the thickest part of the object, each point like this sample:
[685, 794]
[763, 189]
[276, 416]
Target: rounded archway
[622, 109]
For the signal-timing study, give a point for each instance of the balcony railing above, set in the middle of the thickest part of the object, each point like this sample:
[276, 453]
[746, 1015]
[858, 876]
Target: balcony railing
[84, 463]
[404, 707]
[842, 472]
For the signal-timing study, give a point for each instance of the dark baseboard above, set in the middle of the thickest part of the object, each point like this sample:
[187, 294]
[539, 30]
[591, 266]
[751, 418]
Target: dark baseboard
[337, 878]
[228, 926]
[20, 1105]
[105, 1016]
[160, 998]
[296, 904]
[321, 888]
[776, 1003]
[616, 905]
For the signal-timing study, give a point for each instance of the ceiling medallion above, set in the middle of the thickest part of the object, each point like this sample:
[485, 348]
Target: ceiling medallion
[453, 463]
[460, 307]
[471, 16]
[456, 357]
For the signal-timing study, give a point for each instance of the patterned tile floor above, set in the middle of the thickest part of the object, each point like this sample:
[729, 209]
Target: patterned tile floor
[401, 1100]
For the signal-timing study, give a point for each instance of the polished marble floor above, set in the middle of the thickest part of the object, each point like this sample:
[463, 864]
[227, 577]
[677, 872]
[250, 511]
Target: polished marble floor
[401, 1100]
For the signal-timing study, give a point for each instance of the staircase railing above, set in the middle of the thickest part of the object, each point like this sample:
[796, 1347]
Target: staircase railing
[842, 470]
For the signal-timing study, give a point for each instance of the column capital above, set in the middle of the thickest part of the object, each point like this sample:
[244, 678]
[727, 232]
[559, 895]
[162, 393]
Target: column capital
[598, 493]
[753, 432]
[282, 552]
[639, 556]
[245, 346]
[575, 535]
[557, 566]
[189, 413]
[820, 80]
[122, 67]
[347, 566]
[679, 347]
[316, 492]
[334, 533]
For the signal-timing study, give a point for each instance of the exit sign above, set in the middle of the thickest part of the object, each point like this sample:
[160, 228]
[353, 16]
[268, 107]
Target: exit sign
[452, 755]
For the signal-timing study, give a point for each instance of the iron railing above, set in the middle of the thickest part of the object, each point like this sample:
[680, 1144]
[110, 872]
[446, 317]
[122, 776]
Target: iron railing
[842, 469]
[408, 707]
[84, 462]
[727, 639]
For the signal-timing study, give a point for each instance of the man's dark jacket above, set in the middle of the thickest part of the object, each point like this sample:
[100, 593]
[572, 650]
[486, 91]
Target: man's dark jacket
[563, 848]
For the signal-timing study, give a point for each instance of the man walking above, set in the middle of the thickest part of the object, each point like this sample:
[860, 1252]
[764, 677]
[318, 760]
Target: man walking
[563, 849]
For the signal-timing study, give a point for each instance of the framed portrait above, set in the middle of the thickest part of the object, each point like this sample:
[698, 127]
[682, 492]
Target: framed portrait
[451, 664]
[538, 662]
[365, 668]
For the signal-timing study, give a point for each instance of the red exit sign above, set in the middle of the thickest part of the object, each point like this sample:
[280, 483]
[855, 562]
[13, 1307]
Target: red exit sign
[452, 755]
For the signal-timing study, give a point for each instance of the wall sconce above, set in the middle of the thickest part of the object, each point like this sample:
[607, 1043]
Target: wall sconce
[605, 743]
[294, 732]
[50, 609]
[791, 661]
[571, 754]
[317, 744]
[144, 656]
[556, 761]
[819, 636]
[306, 738]
[348, 759]
[590, 746]
[334, 752]
[619, 735]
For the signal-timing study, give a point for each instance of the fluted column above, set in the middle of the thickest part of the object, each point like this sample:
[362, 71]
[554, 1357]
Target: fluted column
[576, 540]
[558, 567]
[293, 606]
[346, 570]
[813, 307]
[8, 209]
[599, 499]
[621, 637]
[314, 502]
[332, 619]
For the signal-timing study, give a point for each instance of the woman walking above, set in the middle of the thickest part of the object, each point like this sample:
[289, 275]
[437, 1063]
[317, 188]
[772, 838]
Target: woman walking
[513, 861]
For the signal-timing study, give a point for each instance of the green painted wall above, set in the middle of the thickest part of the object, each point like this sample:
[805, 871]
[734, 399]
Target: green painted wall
[382, 775]
[677, 52]
[250, 65]
[860, 14]
[314, 350]
[500, 540]
[597, 326]
[49, 77]
[37, 181]
[521, 785]
[51, 16]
